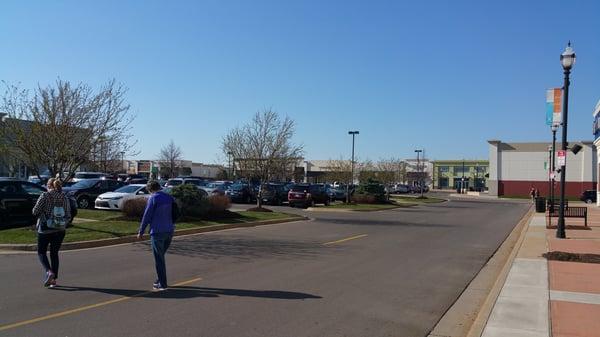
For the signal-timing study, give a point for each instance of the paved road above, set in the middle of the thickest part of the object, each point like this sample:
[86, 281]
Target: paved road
[390, 273]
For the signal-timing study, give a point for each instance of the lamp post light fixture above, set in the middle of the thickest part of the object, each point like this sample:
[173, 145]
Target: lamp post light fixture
[567, 60]
[419, 171]
[353, 133]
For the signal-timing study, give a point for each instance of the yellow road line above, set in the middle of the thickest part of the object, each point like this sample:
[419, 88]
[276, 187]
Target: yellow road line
[87, 307]
[344, 240]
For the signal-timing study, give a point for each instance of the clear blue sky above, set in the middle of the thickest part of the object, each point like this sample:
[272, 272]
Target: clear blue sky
[441, 75]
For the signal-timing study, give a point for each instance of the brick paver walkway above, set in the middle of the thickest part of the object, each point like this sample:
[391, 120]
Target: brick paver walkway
[575, 286]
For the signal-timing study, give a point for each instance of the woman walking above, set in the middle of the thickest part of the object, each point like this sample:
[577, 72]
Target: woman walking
[54, 213]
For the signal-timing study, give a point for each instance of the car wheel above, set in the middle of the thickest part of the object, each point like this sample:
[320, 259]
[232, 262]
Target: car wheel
[326, 202]
[312, 203]
[248, 199]
[588, 201]
[83, 203]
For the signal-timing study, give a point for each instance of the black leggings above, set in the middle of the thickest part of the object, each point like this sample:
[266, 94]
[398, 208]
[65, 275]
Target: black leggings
[54, 239]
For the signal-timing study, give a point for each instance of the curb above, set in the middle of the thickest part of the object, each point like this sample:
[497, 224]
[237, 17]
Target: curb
[133, 238]
[468, 315]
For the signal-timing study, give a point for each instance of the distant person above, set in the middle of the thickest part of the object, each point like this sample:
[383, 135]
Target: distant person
[159, 216]
[532, 194]
[53, 211]
[537, 193]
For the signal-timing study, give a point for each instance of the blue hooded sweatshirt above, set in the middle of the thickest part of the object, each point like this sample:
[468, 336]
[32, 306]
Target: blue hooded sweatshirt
[158, 214]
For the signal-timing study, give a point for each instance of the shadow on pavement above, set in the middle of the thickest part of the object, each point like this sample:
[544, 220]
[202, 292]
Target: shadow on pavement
[398, 223]
[193, 292]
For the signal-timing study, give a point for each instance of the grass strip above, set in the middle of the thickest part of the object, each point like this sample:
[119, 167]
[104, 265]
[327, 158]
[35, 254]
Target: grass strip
[106, 229]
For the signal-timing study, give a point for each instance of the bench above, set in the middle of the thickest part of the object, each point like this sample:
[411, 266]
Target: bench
[570, 212]
[555, 204]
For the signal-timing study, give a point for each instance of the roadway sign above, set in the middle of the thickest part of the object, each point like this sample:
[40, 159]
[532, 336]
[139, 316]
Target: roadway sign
[562, 157]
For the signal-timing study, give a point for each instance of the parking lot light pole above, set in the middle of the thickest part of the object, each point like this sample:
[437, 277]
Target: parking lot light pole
[353, 133]
[567, 59]
[229, 175]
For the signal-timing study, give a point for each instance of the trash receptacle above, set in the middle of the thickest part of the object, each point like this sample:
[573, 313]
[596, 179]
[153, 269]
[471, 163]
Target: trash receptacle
[540, 204]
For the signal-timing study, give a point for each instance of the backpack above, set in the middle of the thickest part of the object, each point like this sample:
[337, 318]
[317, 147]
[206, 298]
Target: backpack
[57, 219]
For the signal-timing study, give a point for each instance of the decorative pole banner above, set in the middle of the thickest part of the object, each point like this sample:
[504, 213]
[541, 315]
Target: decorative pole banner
[553, 106]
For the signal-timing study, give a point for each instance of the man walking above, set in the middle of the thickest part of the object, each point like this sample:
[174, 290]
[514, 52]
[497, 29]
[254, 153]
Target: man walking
[158, 215]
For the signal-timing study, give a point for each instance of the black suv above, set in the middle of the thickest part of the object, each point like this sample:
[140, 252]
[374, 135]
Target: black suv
[241, 192]
[274, 194]
[87, 190]
[588, 196]
[17, 199]
[307, 195]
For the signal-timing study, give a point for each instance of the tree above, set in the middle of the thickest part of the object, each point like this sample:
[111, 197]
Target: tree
[169, 159]
[339, 170]
[64, 126]
[263, 147]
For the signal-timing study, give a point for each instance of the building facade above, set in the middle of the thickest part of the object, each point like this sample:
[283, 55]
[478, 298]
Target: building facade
[596, 129]
[517, 167]
[457, 174]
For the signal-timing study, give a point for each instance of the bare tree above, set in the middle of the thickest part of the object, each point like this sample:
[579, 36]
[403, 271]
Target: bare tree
[169, 159]
[339, 170]
[64, 126]
[263, 146]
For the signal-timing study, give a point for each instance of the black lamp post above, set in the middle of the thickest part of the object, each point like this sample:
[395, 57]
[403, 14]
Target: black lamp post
[353, 133]
[567, 59]
[229, 175]
[419, 171]
[554, 127]
[123, 161]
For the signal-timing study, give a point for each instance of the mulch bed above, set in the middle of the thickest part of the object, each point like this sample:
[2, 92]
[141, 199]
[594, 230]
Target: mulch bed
[572, 257]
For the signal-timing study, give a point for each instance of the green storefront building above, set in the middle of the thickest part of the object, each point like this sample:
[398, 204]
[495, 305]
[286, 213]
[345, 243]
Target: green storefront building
[451, 174]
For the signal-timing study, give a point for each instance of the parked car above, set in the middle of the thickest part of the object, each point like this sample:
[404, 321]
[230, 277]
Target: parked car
[274, 194]
[217, 187]
[241, 192]
[178, 181]
[87, 190]
[588, 196]
[40, 180]
[307, 195]
[337, 193]
[88, 175]
[114, 200]
[17, 198]
[400, 188]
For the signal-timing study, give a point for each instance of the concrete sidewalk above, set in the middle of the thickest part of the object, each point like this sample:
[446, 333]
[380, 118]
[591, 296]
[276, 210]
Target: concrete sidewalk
[551, 298]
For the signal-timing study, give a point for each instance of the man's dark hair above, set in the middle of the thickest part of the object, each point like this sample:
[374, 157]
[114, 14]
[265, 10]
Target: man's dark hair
[153, 186]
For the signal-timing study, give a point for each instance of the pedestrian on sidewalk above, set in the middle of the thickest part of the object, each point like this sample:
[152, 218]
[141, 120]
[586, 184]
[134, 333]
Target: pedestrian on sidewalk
[532, 194]
[54, 213]
[159, 216]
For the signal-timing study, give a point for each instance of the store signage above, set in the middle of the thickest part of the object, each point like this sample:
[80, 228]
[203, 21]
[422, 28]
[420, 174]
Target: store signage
[562, 157]
[553, 106]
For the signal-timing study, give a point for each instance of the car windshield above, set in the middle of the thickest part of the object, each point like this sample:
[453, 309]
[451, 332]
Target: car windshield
[299, 188]
[174, 182]
[127, 189]
[237, 187]
[84, 184]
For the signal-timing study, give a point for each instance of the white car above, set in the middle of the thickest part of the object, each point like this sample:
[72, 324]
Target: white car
[114, 200]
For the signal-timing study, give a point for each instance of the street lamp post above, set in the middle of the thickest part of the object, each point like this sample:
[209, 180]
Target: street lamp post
[419, 171]
[567, 59]
[554, 127]
[462, 184]
[229, 175]
[123, 161]
[353, 133]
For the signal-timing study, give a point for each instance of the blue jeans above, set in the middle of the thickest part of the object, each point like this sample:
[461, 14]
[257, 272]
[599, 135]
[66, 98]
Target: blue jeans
[160, 244]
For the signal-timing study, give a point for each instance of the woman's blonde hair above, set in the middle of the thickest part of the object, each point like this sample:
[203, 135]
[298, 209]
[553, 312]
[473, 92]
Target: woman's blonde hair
[57, 185]
[50, 182]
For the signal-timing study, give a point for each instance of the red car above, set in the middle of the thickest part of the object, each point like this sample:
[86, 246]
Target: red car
[307, 195]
